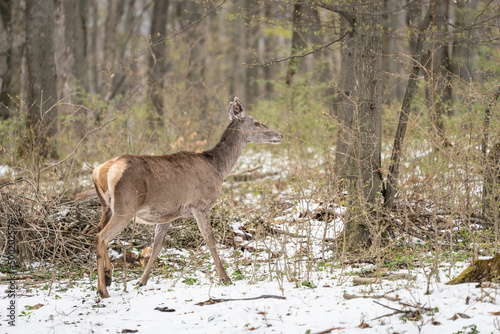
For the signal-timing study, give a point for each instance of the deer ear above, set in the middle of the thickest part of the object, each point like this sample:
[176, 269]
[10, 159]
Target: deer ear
[230, 111]
[236, 109]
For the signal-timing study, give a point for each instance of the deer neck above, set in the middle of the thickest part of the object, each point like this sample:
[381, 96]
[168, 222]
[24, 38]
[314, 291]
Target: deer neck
[227, 151]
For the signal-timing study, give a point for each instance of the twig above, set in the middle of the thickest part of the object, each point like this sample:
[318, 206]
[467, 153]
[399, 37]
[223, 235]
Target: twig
[221, 300]
[245, 171]
[175, 34]
[278, 60]
[77, 146]
[329, 330]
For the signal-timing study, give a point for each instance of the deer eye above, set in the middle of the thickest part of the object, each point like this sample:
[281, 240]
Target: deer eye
[257, 124]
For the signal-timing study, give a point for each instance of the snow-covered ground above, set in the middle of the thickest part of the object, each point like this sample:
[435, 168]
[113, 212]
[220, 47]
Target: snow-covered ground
[74, 308]
[318, 301]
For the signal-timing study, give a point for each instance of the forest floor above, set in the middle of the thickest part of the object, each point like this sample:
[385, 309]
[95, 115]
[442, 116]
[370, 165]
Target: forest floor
[326, 304]
[289, 276]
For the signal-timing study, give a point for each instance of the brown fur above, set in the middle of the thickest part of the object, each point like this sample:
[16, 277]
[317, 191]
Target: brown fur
[160, 189]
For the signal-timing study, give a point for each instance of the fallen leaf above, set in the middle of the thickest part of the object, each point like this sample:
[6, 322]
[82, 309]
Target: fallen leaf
[37, 306]
[363, 324]
[146, 251]
[494, 313]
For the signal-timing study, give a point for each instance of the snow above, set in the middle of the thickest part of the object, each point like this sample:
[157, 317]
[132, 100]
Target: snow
[315, 295]
[75, 308]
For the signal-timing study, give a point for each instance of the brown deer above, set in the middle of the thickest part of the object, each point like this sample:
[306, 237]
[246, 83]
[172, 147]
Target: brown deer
[160, 189]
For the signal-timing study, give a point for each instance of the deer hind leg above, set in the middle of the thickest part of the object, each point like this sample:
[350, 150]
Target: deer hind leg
[108, 269]
[203, 220]
[114, 226]
[160, 232]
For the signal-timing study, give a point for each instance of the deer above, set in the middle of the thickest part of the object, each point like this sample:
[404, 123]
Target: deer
[159, 189]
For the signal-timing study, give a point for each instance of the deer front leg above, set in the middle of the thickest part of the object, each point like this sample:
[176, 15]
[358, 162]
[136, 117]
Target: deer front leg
[161, 230]
[203, 220]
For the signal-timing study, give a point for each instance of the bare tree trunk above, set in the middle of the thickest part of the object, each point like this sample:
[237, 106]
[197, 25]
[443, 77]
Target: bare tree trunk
[70, 46]
[417, 60]
[392, 82]
[345, 110]
[113, 72]
[491, 161]
[11, 50]
[238, 72]
[158, 62]
[298, 40]
[252, 34]
[42, 97]
[364, 161]
[439, 88]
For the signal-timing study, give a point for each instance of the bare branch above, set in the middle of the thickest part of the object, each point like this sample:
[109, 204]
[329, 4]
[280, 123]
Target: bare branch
[302, 55]
[77, 146]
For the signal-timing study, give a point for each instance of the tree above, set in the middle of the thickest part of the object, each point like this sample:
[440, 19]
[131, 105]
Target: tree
[417, 55]
[12, 27]
[363, 177]
[42, 93]
[157, 61]
[344, 110]
[364, 159]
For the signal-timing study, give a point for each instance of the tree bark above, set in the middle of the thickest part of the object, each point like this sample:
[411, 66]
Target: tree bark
[439, 92]
[11, 50]
[345, 110]
[70, 46]
[42, 92]
[298, 40]
[157, 61]
[364, 161]
[417, 58]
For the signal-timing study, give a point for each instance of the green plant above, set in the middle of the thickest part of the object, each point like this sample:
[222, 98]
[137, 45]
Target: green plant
[471, 329]
[308, 284]
[190, 281]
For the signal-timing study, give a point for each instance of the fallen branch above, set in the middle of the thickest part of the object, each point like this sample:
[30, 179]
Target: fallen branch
[392, 299]
[212, 301]
[24, 276]
[376, 280]
[329, 330]
[409, 313]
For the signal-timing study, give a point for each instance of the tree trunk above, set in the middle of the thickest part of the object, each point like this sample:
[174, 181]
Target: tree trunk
[114, 73]
[12, 25]
[298, 40]
[392, 82]
[158, 62]
[345, 110]
[70, 46]
[42, 92]
[252, 27]
[364, 161]
[439, 87]
[417, 60]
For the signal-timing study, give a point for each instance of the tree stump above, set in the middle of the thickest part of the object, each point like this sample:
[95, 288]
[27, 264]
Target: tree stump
[480, 271]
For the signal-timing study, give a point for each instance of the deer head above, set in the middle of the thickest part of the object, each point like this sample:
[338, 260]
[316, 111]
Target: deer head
[255, 131]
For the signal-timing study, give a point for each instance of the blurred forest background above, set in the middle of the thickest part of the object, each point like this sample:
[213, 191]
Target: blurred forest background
[387, 106]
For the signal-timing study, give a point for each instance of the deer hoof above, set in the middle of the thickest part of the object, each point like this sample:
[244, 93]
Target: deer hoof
[103, 293]
[140, 284]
